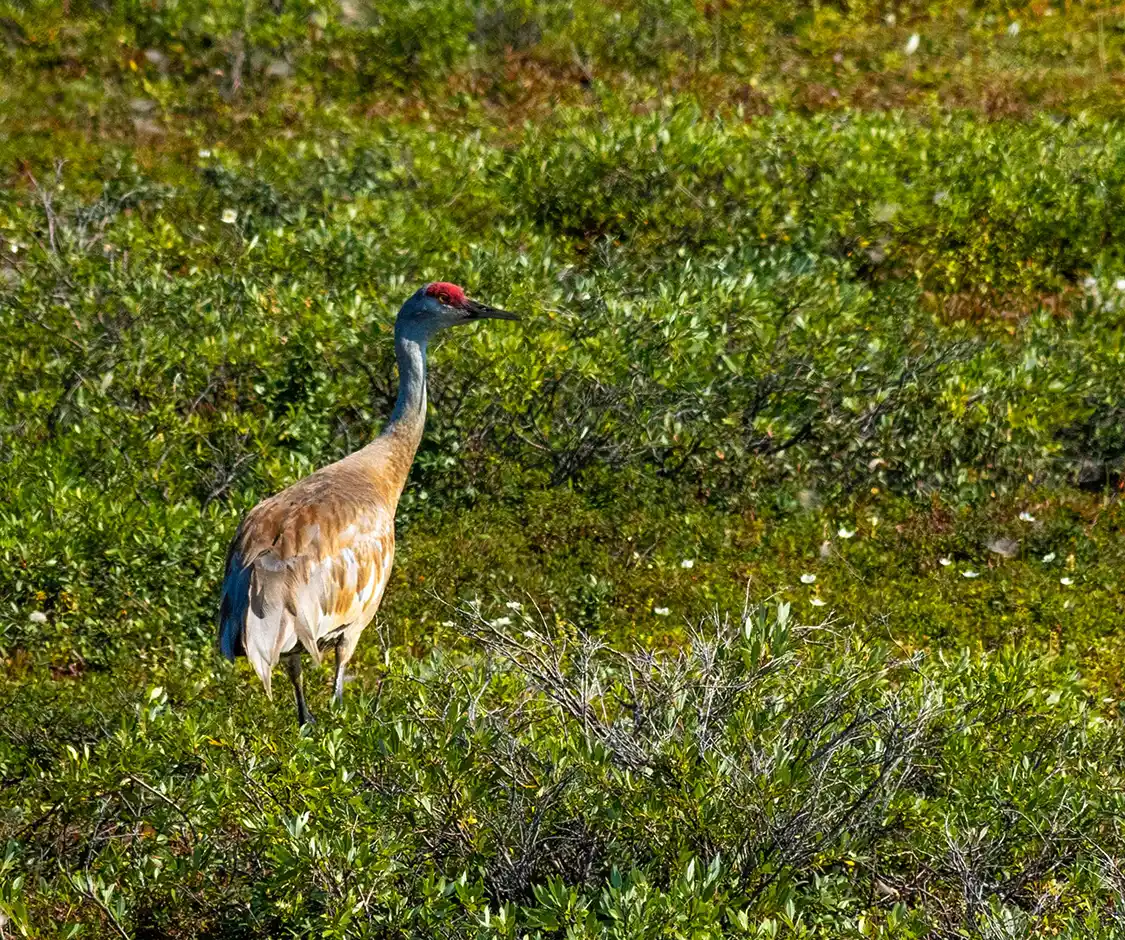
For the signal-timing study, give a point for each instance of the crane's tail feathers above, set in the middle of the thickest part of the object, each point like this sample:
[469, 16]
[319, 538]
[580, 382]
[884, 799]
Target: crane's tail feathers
[271, 604]
[306, 621]
[230, 639]
[264, 669]
[269, 629]
[232, 611]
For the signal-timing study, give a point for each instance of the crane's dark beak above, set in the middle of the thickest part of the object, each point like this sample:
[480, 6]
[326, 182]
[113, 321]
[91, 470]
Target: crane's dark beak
[479, 311]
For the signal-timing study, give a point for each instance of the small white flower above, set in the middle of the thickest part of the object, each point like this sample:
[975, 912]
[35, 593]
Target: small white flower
[970, 574]
[514, 605]
[687, 563]
[817, 602]
[1119, 283]
[204, 154]
[1067, 582]
[845, 533]
[1026, 516]
[660, 611]
[1048, 558]
[230, 216]
[14, 248]
[1090, 283]
[808, 578]
[912, 44]
[1014, 29]
[37, 616]
[502, 622]
[891, 19]
[945, 562]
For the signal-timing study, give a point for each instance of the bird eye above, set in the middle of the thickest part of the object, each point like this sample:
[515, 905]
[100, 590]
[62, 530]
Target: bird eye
[443, 298]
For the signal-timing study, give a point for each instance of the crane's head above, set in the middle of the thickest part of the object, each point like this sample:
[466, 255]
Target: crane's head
[440, 304]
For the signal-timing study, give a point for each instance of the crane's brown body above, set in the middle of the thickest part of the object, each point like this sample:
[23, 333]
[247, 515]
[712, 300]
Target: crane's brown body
[307, 568]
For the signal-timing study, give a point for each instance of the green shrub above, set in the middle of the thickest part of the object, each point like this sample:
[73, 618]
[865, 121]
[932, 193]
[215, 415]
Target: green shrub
[806, 313]
[767, 778]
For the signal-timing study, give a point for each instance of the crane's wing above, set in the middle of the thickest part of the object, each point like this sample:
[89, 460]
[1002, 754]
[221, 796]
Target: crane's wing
[301, 566]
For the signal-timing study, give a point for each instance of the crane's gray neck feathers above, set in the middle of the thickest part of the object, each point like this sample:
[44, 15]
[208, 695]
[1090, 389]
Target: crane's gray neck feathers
[410, 408]
[389, 456]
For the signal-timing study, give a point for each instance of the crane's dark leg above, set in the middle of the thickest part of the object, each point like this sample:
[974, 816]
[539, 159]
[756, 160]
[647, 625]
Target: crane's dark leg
[293, 665]
[345, 646]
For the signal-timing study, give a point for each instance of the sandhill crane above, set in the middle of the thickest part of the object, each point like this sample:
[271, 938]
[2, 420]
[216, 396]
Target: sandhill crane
[307, 568]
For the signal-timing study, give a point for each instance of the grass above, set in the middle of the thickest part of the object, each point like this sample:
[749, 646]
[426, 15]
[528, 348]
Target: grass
[765, 581]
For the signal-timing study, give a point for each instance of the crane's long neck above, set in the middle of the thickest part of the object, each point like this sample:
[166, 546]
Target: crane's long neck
[392, 452]
[409, 416]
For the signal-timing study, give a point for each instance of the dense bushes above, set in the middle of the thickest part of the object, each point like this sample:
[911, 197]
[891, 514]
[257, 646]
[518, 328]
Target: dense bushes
[783, 243]
[865, 361]
[720, 312]
[196, 57]
[719, 315]
[766, 780]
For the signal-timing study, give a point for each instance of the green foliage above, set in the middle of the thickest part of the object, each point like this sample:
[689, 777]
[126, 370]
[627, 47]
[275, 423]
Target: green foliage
[803, 310]
[766, 779]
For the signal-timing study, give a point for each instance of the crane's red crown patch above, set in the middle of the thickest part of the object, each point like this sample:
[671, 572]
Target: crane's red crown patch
[449, 294]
